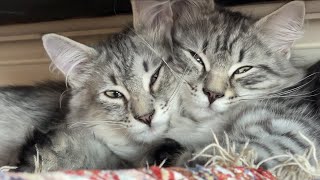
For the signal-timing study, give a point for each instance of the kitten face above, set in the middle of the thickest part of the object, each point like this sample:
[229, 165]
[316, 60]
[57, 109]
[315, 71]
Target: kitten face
[154, 19]
[247, 59]
[121, 87]
[193, 75]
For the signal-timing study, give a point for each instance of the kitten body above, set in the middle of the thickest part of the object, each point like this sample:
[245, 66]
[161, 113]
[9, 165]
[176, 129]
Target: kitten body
[24, 109]
[121, 99]
[251, 81]
[251, 64]
[103, 123]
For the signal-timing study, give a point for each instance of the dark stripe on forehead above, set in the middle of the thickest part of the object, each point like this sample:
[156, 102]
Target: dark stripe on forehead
[205, 46]
[242, 30]
[217, 44]
[133, 46]
[241, 55]
[226, 38]
[232, 43]
[113, 79]
[119, 69]
[145, 66]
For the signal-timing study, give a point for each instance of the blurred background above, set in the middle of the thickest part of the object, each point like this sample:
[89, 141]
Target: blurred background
[22, 11]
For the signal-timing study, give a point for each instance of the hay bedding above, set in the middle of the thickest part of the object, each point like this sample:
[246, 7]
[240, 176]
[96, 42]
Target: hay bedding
[226, 164]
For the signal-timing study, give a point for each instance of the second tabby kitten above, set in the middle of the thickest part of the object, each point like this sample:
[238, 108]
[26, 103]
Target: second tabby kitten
[246, 60]
[264, 101]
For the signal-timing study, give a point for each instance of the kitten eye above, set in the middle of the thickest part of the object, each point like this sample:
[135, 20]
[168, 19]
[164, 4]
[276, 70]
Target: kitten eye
[243, 69]
[155, 76]
[113, 94]
[196, 57]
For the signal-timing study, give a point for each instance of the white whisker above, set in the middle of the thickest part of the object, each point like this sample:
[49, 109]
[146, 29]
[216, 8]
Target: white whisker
[90, 124]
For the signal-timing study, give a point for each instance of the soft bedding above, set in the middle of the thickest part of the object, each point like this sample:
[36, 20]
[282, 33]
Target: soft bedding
[152, 173]
[226, 164]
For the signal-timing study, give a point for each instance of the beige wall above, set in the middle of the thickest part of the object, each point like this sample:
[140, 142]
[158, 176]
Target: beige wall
[22, 57]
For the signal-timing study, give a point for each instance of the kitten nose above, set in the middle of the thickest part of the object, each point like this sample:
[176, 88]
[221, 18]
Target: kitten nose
[147, 118]
[212, 96]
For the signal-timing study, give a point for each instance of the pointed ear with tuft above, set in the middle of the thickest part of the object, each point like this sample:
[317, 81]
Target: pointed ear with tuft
[68, 56]
[153, 17]
[283, 27]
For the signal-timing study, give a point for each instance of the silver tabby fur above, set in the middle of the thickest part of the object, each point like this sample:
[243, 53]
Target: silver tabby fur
[24, 109]
[104, 132]
[112, 85]
[262, 103]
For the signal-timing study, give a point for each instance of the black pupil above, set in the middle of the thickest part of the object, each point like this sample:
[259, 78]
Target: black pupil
[238, 71]
[116, 94]
[155, 77]
[196, 57]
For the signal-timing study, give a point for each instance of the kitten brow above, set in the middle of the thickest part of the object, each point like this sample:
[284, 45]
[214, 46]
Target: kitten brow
[241, 55]
[113, 79]
[217, 44]
[205, 46]
[150, 47]
[145, 66]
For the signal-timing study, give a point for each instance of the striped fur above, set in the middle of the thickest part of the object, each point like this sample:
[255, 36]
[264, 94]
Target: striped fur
[139, 66]
[109, 128]
[271, 125]
[101, 130]
[264, 103]
[24, 109]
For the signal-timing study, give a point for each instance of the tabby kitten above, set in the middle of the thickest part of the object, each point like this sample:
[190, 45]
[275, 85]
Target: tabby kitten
[251, 79]
[251, 60]
[188, 130]
[121, 100]
[123, 92]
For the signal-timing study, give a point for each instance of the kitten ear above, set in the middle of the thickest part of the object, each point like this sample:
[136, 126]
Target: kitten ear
[283, 27]
[153, 16]
[66, 54]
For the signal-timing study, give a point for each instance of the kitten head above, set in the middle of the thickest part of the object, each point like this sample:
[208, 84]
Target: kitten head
[153, 19]
[246, 58]
[121, 87]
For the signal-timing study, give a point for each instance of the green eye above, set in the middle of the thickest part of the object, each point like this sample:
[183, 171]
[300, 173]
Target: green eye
[113, 94]
[243, 69]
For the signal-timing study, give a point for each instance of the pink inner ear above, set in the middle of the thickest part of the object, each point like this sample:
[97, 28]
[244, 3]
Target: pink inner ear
[283, 27]
[65, 53]
[69, 60]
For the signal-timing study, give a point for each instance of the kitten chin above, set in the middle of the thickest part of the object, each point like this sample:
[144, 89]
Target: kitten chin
[221, 105]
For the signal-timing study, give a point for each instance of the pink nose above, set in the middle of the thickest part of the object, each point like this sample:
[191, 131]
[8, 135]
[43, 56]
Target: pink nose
[212, 96]
[147, 118]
